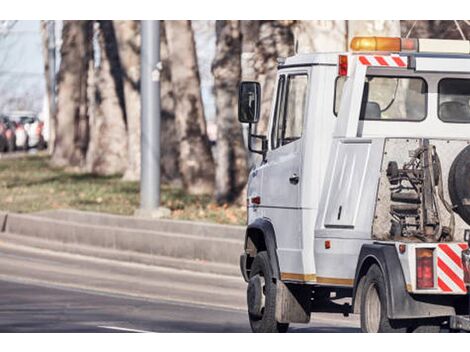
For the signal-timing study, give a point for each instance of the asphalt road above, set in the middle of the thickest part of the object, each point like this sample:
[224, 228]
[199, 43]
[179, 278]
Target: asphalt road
[43, 291]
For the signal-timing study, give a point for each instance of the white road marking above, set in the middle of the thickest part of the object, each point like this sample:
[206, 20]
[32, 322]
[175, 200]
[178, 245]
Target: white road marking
[123, 329]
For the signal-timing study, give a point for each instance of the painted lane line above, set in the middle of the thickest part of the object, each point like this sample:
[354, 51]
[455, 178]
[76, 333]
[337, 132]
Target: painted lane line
[124, 329]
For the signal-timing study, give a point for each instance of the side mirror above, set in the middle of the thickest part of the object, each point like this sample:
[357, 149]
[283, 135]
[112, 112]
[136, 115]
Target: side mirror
[249, 96]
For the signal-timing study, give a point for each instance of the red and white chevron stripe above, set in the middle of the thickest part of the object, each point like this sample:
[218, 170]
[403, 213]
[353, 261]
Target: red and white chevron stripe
[383, 60]
[449, 268]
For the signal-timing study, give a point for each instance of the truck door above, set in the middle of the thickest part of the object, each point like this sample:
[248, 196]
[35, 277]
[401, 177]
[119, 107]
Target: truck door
[282, 171]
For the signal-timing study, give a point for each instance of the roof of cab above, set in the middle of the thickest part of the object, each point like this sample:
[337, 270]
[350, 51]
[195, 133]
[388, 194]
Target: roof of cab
[312, 59]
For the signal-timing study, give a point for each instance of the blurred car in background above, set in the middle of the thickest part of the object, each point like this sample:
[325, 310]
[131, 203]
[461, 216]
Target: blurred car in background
[28, 131]
[7, 134]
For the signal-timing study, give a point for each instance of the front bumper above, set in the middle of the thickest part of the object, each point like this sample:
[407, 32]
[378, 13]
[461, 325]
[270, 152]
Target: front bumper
[460, 322]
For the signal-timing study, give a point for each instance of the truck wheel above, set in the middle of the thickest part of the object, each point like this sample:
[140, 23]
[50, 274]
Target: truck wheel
[374, 304]
[261, 297]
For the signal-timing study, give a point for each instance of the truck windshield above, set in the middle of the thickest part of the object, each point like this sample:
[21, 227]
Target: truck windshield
[454, 100]
[394, 98]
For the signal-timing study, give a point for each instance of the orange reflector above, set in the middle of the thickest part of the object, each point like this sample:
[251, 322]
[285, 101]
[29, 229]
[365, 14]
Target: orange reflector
[376, 44]
[402, 248]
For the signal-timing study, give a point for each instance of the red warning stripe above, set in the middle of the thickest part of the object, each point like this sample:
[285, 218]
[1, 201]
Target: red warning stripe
[449, 272]
[452, 255]
[399, 61]
[442, 285]
[364, 60]
[381, 61]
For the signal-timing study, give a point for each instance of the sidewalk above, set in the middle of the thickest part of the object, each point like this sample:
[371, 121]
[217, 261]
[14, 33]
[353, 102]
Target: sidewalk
[187, 245]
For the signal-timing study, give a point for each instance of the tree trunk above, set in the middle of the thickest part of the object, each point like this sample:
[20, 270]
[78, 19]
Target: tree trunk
[196, 162]
[128, 36]
[72, 121]
[437, 29]
[231, 163]
[107, 152]
[373, 27]
[276, 40]
[250, 35]
[321, 36]
[49, 84]
[170, 149]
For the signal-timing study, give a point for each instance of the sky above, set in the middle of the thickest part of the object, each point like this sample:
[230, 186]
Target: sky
[21, 67]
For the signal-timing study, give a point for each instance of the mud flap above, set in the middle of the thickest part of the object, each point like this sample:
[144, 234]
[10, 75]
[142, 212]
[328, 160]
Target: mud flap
[292, 303]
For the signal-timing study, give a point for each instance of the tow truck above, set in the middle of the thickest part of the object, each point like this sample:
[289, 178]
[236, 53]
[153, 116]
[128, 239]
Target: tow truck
[360, 203]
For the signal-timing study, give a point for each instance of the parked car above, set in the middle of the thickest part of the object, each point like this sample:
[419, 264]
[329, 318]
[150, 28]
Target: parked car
[21, 136]
[29, 130]
[34, 128]
[7, 135]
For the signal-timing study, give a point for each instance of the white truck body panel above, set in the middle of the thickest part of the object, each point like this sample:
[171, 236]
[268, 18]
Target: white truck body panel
[339, 164]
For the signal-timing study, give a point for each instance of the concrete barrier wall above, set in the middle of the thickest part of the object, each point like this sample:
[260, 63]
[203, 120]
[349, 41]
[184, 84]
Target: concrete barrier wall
[192, 241]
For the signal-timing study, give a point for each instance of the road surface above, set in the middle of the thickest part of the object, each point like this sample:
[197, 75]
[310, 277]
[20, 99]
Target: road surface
[43, 291]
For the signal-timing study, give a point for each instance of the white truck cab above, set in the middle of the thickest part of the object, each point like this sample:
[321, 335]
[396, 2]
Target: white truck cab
[363, 191]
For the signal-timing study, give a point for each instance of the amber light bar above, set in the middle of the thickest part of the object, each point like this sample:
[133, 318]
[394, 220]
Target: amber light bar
[395, 44]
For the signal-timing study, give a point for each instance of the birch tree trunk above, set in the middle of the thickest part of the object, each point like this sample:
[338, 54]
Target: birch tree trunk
[250, 35]
[321, 36]
[196, 161]
[437, 29]
[128, 38]
[107, 152]
[387, 28]
[49, 84]
[72, 128]
[275, 40]
[231, 162]
[170, 148]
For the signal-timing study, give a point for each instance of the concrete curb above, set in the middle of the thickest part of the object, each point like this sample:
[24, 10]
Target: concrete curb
[219, 244]
[163, 225]
[21, 241]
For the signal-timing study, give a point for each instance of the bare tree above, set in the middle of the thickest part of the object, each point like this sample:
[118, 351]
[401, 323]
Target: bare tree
[107, 150]
[128, 36]
[437, 29]
[250, 34]
[49, 84]
[72, 121]
[196, 161]
[231, 161]
[373, 27]
[276, 39]
[325, 35]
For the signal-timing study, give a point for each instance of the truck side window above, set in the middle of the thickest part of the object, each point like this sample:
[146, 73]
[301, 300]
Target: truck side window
[394, 99]
[454, 100]
[290, 110]
[339, 85]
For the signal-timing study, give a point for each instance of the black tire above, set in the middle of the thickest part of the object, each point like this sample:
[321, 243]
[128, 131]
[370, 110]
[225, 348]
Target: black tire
[374, 305]
[41, 144]
[3, 144]
[266, 322]
[11, 145]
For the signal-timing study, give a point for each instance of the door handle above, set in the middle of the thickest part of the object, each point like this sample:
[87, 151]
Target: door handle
[294, 179]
